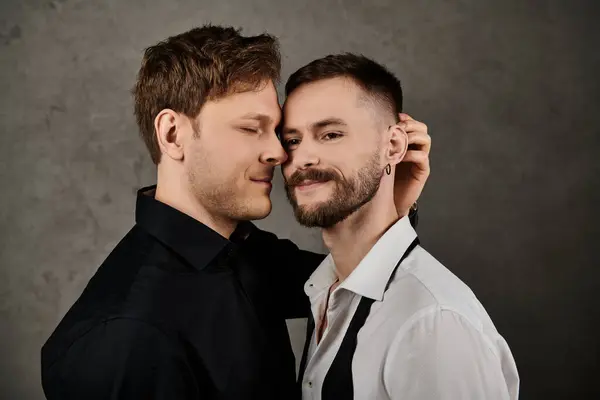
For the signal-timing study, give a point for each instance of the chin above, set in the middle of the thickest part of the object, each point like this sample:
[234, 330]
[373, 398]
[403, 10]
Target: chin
[259, 209]
[312, 206]
[315, 197]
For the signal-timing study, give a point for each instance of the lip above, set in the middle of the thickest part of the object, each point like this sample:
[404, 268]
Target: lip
[308, 185]
[263, 182]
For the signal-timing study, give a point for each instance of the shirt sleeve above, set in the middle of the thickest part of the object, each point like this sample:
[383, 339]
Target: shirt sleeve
[289, 268]
[121, 359]
[443, 356]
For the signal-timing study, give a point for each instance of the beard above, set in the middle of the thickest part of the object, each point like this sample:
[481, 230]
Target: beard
[225, 199]
[348, 195]
[222, 193]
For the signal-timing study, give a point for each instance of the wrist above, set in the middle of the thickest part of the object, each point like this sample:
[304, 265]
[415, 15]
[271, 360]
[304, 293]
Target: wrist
[413, 214]
[410, 210]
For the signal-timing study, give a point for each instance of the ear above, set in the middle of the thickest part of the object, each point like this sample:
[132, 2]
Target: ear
[398, 144]
[168, 126]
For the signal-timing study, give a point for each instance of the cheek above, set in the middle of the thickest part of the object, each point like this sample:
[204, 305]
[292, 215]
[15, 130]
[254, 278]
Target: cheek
[197, 156]
[209, 166]
[226, 155]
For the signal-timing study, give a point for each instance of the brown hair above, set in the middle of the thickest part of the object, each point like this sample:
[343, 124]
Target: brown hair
[184, 71]
[377, 82]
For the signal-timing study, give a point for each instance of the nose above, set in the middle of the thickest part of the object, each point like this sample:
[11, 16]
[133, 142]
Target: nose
[274, 154]
[303, 156]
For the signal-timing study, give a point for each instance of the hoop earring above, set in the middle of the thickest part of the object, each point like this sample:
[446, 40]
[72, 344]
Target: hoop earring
[388, 169]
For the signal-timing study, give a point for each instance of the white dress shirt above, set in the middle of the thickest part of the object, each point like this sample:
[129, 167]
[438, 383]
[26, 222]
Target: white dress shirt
[426, 337]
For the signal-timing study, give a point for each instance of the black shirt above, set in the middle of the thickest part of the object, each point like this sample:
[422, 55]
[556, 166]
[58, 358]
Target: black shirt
[179, 312]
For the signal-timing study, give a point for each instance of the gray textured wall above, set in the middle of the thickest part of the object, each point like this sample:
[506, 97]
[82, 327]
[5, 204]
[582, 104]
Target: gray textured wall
[510, 92]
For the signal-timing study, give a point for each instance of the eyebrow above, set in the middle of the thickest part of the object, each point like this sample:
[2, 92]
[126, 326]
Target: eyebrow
[257, 116]
[324, 123]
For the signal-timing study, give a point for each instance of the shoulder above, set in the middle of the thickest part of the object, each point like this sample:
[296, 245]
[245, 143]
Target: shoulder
[446, 354]
[422, 290]
[119, 294]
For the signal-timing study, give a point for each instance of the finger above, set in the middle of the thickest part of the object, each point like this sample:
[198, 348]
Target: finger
[405, 117]
[419, 158]
[412, 126]
[418, 137]
[419, 141]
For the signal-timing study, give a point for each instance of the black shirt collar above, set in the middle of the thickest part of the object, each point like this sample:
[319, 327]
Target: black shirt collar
[187, 237]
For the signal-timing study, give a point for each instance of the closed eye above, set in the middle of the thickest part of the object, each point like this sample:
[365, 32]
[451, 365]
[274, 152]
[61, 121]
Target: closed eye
[249, 129]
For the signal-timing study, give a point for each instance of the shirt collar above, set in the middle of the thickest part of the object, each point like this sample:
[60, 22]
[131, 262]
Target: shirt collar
[323, 277]
[189, 238]
[371, 276]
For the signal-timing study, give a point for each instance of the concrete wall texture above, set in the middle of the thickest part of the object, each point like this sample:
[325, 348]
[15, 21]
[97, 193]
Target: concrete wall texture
[509, 89]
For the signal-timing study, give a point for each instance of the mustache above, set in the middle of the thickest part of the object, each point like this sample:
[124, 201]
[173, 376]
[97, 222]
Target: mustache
[317, 175]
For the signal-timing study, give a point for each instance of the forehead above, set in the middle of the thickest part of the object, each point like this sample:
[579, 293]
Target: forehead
[262, 101]
[335, 97]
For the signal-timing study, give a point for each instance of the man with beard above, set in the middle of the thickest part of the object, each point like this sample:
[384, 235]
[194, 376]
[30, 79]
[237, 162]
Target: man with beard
[192, 303]
[391, 321]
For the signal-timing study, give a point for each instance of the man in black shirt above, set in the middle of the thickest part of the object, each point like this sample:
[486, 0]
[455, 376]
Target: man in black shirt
[192, 303]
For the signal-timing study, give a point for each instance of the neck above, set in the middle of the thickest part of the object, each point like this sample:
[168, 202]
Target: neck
[350, 240]
[176, 193]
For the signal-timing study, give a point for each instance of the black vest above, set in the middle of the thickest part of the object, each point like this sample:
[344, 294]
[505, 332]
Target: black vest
[338, 383]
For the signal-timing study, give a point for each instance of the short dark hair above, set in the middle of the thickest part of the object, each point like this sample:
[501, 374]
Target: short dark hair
[377, 81]
[205, 63]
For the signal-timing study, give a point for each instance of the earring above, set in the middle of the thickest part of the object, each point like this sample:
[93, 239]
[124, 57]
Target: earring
[388, 169]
